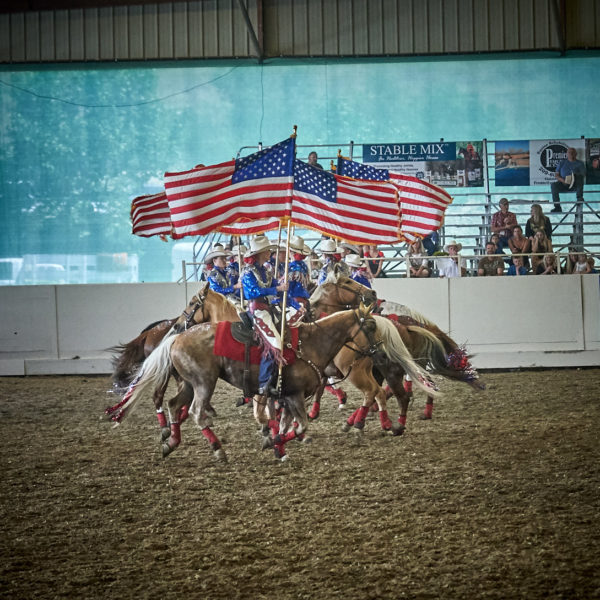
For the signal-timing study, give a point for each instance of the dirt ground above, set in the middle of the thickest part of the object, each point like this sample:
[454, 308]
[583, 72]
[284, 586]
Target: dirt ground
[497, 497]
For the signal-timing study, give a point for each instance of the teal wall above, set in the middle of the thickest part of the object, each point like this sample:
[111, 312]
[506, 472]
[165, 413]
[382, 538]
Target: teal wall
[78, 143]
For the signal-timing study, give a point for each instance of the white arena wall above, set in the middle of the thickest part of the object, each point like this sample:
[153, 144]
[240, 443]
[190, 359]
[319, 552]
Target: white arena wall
[507, 322]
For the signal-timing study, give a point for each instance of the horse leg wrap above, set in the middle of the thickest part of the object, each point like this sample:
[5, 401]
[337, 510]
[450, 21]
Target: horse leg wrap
[428, 412]
[184, 413]
[315, 410]
[386, 424]
[175, 438]
[162, 419]
[284, 438]
[402, 420]
[359, 422]
[208, 433]
[279, 451]
[408, 386]
[274, 427]
[340, 394]
[350, 420]
[111, 409]
[388, 392]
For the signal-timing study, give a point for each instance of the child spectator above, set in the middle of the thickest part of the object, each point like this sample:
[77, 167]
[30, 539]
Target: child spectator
[517, 267]
[582, 265]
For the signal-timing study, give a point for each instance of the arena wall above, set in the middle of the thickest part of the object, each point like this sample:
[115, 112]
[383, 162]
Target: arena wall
[506, 322]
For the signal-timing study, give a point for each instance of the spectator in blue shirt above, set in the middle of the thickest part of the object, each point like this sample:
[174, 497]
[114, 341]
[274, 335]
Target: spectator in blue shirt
[569, 176]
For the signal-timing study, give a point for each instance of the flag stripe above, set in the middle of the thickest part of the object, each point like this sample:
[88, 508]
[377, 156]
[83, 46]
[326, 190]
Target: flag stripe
[150, 215]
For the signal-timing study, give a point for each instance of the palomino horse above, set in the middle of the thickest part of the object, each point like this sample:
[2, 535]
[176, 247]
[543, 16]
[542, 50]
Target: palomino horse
[205, 306]
[191, 355]
[428, 344]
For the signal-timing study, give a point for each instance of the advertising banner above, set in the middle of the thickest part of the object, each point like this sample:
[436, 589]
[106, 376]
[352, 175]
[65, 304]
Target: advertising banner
[512, 162]
[447, 164]
[592, 161]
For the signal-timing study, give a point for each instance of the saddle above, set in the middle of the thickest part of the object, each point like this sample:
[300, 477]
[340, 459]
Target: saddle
[243, 331]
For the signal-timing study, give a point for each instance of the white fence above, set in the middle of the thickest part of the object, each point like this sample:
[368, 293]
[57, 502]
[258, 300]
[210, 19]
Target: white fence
[508, 322]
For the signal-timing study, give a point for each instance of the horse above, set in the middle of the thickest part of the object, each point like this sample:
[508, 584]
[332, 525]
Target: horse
[205, 306]
[426, 342]
[191, 354]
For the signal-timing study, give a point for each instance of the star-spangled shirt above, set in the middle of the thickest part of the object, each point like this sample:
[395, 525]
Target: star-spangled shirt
[276, 161]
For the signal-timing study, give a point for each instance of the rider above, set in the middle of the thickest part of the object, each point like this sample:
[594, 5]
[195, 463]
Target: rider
[234, 266]
[218, 277]
[298, 275]
[261, 293]
[333, 261]
[358, 269]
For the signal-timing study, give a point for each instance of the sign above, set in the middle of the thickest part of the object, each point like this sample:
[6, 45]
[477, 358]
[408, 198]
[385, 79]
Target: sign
[447, 164]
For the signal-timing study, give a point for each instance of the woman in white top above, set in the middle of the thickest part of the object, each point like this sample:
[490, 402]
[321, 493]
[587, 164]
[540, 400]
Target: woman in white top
[418, 262]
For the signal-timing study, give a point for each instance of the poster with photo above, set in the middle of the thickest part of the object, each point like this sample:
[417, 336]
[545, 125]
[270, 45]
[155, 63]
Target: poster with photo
[592, 161]
[512, 163]
[447, 164]
[545, 156]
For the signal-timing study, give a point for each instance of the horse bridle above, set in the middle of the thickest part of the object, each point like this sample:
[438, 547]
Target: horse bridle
[189, 316]
[359, 297]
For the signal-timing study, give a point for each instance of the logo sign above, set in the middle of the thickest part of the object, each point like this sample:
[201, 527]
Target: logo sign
[394, 153]
[546, 155]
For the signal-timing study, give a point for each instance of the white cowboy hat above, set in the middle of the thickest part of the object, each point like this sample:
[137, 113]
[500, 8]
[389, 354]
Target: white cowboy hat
[258, 245]
[216, 251]
[241, 249]
[307, 250]
[453, 243]
[328, 247]
[297, 244]
[354, 260]
[351, 247]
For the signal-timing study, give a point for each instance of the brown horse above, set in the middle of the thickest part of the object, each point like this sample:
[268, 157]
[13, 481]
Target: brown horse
[191, 355]
[428, 344]
[205, 306]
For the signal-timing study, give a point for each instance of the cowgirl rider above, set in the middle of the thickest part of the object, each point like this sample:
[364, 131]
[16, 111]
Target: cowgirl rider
[358, 269]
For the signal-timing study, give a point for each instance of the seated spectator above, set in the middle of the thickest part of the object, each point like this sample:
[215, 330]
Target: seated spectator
[371, 252]
[539, 246]
[417, 262]
[431, 243]
[517, 267]
[491, 265]
[569, 175]
[358, 269]
[582, 265]
[502, 223]
[495, 239]
[450, 267]
[519, 244]
[537, 221]
[547, 266]
[312, 160]
[569, 264]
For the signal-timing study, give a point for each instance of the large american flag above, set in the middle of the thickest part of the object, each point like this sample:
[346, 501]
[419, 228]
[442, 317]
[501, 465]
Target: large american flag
[150, 215]
[362, 212]
[422, 204]
[256, 187]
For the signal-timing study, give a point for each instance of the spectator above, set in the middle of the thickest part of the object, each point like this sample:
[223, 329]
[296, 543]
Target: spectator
[417, 262]
[569, 176]
[312, 160]
[373, 256]
[519, 244]
[571, 260]
[490, 265]
[582, 265]
[358, 270]
[517, 267]
[449, 267]
[547, 266]
[503, 222]
[537, 221]
[495, 239]
[539, 246]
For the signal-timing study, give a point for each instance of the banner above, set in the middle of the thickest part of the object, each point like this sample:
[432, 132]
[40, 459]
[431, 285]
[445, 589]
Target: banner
[592, 161]
[446, 164]
[532, 162]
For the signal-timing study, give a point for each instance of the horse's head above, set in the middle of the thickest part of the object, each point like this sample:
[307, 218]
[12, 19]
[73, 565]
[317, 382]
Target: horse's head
[339, 292]
[366, 329]
[194, 312]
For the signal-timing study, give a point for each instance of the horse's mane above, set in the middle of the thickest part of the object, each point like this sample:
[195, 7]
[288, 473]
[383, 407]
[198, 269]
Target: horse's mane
[335, 277]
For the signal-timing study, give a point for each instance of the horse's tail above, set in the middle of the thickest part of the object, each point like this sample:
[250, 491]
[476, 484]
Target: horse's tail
[397, 352]
[155, 373]
[127, 360]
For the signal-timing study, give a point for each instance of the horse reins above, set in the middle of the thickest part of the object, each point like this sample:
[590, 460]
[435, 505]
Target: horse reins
[197, 306]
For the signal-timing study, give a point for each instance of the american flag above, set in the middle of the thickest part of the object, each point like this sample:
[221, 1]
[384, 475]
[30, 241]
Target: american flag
[150, 215]
[256, 187]
[362, 212]
[422, 204]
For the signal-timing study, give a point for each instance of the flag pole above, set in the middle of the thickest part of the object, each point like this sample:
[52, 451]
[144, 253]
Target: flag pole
[284, 303]
[277, 254]
[240, 272]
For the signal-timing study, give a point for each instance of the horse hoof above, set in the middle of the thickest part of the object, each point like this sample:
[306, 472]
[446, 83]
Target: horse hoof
[284, 458]
[307, 440]
[166, 450]
[360, 425]
[220, 455]
[341, 406]
[398, 429]
[267, 443]
[424, 417]
[165, 434]
[346, 428]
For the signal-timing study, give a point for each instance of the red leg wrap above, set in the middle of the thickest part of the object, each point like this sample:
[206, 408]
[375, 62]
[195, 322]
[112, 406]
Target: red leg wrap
[315, 410]
[279, 450]
[386, 424]
[175, 438]
[162, 419]
[402, 420]
[274, 426]
[184, 413]
[428, 412]
[408, 387]
[211, 437]
[285, 438]
[350, 420]
[340, 394]
[361, 415]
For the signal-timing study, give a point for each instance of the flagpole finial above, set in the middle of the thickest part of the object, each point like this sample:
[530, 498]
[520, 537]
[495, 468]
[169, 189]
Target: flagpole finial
[295, 131]
[333, 167]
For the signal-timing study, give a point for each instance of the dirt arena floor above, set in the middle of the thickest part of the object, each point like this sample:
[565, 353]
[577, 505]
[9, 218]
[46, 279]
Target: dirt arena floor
[497, 497]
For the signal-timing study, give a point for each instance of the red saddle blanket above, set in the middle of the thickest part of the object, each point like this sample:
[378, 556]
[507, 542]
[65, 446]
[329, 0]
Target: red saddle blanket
[226, 346]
